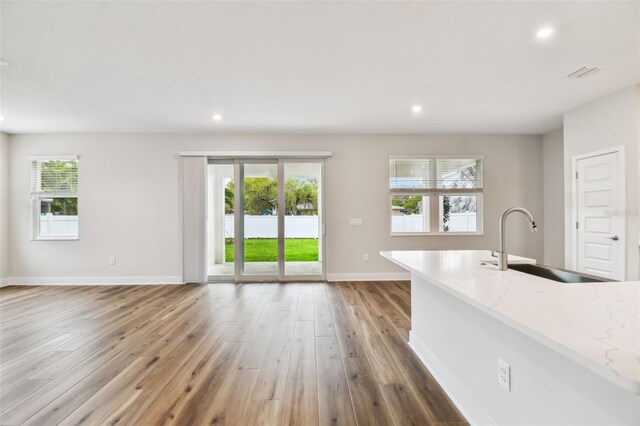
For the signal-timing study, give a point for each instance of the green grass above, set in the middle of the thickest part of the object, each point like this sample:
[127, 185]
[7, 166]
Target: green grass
[266, 250]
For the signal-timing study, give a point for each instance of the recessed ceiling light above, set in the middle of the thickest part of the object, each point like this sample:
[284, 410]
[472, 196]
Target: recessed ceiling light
[217, 117]
[544, 32]
[416, 109]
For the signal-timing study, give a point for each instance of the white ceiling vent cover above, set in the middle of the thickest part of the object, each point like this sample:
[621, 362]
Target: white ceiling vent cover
[586, 71]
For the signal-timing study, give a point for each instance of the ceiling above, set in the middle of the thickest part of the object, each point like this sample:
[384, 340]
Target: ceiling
[308, 67]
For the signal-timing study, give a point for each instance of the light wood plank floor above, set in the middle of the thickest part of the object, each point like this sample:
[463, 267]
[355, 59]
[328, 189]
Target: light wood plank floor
[234, 354]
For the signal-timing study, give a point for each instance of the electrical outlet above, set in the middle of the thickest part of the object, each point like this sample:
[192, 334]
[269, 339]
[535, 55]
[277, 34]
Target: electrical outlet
[355, 222]
[112, 260]
[365, 257]
[504, 374]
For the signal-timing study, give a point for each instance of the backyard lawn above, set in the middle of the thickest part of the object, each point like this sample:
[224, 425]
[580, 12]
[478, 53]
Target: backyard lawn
[266, 250]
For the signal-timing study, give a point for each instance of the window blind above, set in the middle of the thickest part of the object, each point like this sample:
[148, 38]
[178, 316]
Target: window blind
[54, 177]
[436, 174]
[194, 219]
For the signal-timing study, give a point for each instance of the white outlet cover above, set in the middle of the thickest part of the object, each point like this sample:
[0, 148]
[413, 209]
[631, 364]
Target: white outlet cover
[504, 374]
[355, 222]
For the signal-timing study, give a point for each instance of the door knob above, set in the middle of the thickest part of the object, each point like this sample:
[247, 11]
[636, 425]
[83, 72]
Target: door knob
[615, 238]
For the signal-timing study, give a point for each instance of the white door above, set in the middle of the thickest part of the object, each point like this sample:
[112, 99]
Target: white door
[600, 225]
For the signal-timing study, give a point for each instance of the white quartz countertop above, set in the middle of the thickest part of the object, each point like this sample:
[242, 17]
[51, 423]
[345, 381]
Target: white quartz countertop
[595, 324]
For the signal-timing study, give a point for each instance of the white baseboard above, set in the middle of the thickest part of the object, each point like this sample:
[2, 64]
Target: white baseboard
[135, 280]
[141, 280]
[467, 405]
[383, 276]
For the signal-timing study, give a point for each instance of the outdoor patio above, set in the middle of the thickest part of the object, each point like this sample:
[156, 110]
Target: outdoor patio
[267, 268]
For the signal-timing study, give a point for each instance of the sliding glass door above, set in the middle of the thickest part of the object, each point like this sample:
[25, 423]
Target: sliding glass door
[303, 219]
[266, 220]
[258, 224]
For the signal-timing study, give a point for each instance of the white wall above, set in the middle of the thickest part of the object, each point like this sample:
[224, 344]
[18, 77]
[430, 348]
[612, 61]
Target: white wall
[607, 122]
[129, 192]
[4, 206]
[553, 191]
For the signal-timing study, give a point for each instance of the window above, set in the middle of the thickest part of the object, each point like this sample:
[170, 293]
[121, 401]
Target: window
[437, 195]
[54, 196]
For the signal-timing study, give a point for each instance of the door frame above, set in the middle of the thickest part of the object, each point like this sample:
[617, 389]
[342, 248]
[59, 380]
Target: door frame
[238, 176]
[574, 200]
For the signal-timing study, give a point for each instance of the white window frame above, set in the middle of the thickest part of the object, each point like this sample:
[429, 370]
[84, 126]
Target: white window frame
[36, 203]
[434, 199]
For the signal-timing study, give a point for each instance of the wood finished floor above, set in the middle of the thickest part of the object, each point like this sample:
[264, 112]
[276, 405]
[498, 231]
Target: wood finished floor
[233, 354]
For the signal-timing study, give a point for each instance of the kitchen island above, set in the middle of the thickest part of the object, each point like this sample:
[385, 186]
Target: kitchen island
[573, 350]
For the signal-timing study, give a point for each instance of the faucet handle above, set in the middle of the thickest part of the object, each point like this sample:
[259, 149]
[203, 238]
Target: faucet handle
[493, 254]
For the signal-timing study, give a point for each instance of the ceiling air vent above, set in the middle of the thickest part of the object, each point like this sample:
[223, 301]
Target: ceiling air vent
[586, 71]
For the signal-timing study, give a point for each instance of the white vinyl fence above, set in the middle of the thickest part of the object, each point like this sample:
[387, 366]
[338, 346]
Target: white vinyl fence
[267, 226]
[458, 222]
[254, 226]
[58, 225]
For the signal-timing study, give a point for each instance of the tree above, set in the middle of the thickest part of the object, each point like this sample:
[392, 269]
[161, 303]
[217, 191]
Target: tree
[261, 195]
[228, 198]
[410, 203]
[65, 206]
[301, 196]
[446, 209]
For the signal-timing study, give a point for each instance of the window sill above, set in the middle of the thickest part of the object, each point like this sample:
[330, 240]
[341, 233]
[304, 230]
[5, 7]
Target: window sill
[58, 238]
[435, 234]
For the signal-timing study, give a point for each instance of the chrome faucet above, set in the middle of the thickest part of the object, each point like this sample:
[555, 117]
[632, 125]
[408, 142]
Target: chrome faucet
[503, 263]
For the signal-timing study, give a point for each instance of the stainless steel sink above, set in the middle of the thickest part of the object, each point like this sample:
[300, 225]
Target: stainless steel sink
[557, 274]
